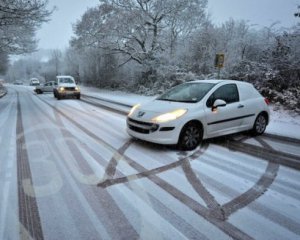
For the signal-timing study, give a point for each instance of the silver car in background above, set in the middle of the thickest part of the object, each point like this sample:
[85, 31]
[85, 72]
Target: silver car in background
[46, 87]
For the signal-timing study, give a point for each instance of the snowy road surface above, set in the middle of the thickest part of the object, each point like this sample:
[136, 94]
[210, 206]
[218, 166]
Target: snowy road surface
[68, 170]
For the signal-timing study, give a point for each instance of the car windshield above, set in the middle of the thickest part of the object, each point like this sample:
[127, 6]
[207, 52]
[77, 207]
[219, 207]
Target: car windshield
[187, 92]
[66, 80]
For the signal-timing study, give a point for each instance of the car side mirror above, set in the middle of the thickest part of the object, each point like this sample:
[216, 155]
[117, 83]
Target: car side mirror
[218, 103]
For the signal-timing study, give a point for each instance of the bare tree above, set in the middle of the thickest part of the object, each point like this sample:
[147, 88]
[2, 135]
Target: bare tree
[56, 60]
[19, 20]
[3, 62]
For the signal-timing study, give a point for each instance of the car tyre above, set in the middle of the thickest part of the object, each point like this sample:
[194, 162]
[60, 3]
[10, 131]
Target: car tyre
[190, 136]
[260, 124]
[78, 96]
[58, 97]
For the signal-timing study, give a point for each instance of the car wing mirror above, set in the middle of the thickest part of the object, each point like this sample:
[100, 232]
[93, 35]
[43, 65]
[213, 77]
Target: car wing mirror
[218, 103]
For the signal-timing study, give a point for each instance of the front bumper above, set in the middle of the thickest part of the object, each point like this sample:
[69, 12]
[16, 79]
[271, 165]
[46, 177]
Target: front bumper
[69, 93]
[164, 133]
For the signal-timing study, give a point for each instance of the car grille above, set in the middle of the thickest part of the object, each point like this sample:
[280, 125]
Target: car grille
[141, 127]
[70, 88]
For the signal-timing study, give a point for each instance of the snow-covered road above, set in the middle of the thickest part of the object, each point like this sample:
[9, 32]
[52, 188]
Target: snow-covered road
[68, 170]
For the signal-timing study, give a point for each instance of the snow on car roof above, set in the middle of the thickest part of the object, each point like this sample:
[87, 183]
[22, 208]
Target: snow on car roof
[64, 76]
[216, 81]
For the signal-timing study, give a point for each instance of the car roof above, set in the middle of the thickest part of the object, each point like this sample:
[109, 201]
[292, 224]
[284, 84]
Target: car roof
[217, 81]
[64, 76]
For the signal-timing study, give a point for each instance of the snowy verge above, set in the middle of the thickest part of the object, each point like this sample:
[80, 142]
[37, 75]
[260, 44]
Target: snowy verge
[284, 123]
[116, 96]
[2, 91]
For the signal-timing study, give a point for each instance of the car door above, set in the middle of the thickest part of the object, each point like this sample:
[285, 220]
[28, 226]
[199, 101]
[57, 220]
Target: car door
[46, 87]
[224, 119]
[50, 87]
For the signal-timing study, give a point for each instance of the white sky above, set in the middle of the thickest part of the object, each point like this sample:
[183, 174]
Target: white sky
[57, 32]
[260, 12]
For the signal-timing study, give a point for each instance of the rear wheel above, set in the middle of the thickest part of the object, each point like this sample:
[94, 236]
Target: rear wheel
[260, 124]
[190, 137]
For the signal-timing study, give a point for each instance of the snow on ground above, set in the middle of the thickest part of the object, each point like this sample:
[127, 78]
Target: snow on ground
[117, 96]
[2, 91]
[283, 123]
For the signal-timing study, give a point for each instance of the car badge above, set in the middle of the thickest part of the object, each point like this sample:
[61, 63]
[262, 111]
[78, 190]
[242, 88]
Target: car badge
[140, 114]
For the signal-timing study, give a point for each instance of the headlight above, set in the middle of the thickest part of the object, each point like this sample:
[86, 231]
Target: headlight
[133, 109]
[169, 116]
[61, 89]
[77, 89]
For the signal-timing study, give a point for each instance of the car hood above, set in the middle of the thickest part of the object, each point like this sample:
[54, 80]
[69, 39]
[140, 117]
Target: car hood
[154, 108]
[67, 85]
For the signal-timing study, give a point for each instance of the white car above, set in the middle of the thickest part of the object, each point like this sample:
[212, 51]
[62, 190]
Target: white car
[34, 82]
[198, 110]
[65, 86]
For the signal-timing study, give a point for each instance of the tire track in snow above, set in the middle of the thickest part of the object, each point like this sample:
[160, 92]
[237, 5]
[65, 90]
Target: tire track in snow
[262, 185]
[186, 200]
[28, 209]
[116, 223]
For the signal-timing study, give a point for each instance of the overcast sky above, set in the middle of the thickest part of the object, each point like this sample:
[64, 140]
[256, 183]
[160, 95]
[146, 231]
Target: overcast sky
[57, 32]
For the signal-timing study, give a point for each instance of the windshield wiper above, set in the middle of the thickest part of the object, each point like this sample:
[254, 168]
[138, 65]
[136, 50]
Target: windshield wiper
[187, 101]
[164, 99]
[174, 100]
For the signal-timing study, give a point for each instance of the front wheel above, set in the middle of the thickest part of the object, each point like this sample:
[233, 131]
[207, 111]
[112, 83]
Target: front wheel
[260, 124]
[190, 137]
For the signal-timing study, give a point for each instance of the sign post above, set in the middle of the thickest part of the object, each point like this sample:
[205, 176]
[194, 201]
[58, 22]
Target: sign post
[219, 62]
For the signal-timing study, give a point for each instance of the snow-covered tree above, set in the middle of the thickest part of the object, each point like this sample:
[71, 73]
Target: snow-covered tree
[19, 21]
[135, 28]
[3, 62]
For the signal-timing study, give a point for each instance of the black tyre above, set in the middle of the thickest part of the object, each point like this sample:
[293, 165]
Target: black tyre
[78, 96]
[190, 137]
[260, 124]
[58, 96]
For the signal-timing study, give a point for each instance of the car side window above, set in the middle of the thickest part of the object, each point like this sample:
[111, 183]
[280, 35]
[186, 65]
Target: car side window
[229, 93]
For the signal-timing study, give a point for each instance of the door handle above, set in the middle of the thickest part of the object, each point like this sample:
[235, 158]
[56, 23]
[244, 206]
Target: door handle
[240, 106]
